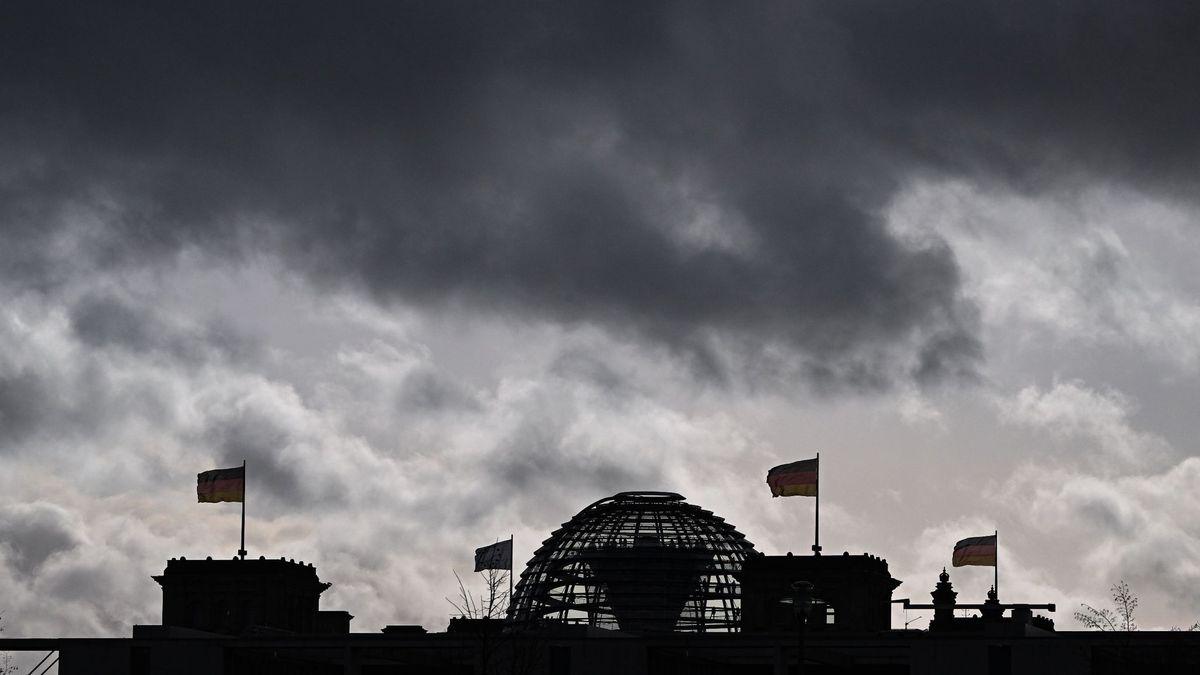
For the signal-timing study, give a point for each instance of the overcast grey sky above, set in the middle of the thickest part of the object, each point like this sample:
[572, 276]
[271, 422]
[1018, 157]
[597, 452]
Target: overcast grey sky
[442, 272]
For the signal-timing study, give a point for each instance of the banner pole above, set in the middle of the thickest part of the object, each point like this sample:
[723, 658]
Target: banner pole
[996, 586]
[242, 550]
[817, 512]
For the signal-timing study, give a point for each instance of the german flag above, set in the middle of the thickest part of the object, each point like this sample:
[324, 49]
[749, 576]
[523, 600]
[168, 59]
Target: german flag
[222, 485]
[798, 479]
[975, 551]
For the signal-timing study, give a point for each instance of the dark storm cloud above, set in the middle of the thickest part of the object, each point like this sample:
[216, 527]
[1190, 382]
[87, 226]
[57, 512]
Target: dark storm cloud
[256, 436]
[32, 533]
[84, 580]
[36, 402]
[426, 391]
[538, 456]
[560, 160]
[23, 402]
[103, 321]
[580, 365]
[1029, 91]
[100, 321]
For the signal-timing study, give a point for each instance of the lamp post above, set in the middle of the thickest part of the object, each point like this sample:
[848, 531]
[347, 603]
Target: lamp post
[802, 604]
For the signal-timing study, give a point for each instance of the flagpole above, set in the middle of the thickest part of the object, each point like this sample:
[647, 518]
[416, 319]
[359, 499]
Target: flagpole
[511, 555]
[242, 550]
[817, 512]
[996, 583]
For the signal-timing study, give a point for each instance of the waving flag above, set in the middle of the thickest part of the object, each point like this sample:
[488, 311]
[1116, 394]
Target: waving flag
[975, 551]
[798, 479]
[497, 556]
[222, 485]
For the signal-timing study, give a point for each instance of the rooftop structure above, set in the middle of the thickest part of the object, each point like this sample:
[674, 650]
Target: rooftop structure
[645, 562]
[854, 592]
[234, 596]
[684, 590]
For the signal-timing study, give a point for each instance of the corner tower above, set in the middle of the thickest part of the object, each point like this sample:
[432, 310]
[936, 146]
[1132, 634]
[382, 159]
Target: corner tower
[232, 596]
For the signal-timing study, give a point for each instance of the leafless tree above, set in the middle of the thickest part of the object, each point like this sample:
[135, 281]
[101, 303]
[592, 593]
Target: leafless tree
[6, 659]
[491, 604]
[1120, 618]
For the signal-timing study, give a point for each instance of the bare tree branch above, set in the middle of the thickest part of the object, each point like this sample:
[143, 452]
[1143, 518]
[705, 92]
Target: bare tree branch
[491, 604]
[465, 606]
[1125, 603]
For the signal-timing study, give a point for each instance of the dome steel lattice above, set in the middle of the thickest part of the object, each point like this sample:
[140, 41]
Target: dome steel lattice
[636, 561]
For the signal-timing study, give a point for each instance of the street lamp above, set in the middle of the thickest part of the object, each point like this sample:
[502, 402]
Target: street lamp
[802, 604]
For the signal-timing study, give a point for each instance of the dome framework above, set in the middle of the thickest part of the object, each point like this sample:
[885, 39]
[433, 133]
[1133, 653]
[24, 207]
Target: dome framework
[636, 561]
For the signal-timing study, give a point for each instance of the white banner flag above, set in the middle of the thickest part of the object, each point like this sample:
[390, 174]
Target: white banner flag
[497, 556]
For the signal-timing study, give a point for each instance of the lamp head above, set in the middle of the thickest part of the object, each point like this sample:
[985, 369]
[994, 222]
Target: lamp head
[802, 594]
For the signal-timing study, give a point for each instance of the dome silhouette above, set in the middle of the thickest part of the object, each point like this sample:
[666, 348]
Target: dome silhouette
[637, 561]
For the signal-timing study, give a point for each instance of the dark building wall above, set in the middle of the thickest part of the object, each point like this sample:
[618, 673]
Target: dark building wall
[991, 656]
[335, 622]
[858, 589]
[102, 658]
[592, 652]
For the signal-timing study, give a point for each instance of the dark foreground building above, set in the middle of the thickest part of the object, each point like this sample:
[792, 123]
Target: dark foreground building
[636, 583]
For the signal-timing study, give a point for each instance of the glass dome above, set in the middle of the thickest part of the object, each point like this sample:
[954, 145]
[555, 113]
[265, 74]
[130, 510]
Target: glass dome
[637, 561]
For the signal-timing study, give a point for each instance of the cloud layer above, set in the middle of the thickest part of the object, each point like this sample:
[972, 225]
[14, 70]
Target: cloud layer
[444, 271]
[575, 164]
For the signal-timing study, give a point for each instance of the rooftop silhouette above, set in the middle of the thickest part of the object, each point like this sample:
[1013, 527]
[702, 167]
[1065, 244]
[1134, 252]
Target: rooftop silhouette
[639, 582]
